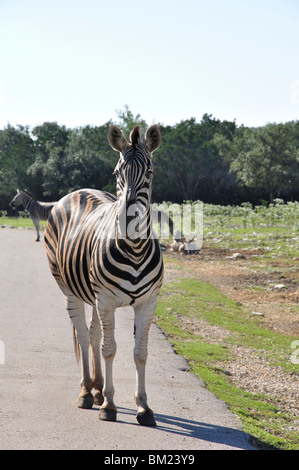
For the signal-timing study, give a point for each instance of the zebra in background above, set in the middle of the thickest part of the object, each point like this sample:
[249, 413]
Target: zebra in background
[37, 210]
[102, 250]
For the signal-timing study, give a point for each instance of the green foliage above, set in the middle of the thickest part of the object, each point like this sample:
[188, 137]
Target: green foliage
[17, 153]
[89, 161]
[268, 158]
[49, 170]
[211, 160]
[127, 121]
[190, 162]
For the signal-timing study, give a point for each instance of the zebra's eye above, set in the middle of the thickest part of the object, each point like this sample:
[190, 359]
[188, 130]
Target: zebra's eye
[116, 173]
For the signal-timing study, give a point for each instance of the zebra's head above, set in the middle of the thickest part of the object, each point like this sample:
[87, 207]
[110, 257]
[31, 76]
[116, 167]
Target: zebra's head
[17, 200]
[134, 175]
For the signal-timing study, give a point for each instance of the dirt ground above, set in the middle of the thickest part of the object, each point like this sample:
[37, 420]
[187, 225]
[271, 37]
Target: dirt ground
[244, 281]
[271, 290]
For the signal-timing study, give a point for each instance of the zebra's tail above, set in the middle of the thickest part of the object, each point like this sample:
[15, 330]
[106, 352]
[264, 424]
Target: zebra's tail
[76, 346]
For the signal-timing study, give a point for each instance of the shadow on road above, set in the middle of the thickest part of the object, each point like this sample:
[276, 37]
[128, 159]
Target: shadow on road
[194, 429]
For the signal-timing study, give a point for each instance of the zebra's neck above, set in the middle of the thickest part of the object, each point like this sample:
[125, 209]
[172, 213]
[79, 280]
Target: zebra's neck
[137, 244]
[27, 200]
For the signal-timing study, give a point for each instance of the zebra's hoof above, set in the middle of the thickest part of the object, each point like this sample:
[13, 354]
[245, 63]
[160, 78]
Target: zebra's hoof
[85, 400]
[98, 398]
[146, 418]
[108, 414]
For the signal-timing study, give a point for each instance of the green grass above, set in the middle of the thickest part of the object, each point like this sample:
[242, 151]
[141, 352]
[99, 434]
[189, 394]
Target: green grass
[190, 298]
[274, 229]
[276, 242]
[272, 235]
[19, 222]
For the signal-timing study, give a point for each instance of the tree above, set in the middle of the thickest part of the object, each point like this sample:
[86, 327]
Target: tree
[214, 161]
[265, 159]
[48, 171]
[89, 159]
[128, 121]
[17, 153]
[189, 165]
[291, 186]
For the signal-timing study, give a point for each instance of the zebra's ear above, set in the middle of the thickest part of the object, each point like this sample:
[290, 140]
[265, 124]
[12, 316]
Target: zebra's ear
[116, 138]
[153, 138]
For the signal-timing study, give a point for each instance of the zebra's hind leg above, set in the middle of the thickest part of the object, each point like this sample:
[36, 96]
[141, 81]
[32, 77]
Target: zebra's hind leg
[144, 314]
[36, 225]
[95, 340]
[75, 308]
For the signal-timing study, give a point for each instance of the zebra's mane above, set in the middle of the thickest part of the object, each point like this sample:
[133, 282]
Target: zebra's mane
[29, 194]
[135, 137]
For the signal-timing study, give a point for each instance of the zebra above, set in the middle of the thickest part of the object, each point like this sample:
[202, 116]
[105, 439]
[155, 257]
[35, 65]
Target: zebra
[37, 210]
[102, 251]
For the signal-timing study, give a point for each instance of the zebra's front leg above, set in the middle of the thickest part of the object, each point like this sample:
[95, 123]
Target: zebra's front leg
[144, 314]
[95, 339]
[108, 410]
[75, 308]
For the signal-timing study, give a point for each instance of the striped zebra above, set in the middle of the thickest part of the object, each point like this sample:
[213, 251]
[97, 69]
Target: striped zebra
[102, 251]
[37, 210]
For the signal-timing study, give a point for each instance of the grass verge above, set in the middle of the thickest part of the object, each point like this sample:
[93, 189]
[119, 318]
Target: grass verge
[20, 222]
[193, 299]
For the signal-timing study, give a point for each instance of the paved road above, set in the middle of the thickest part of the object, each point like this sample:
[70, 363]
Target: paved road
[39, 380]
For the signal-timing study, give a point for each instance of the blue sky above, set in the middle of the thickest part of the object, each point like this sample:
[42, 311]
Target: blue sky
[78, 62]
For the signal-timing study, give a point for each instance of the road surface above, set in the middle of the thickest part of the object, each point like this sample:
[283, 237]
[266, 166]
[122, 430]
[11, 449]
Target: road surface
[39, 376]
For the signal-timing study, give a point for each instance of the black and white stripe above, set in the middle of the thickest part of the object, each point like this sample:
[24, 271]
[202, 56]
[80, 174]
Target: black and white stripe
[37, 210]
[102, 251]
